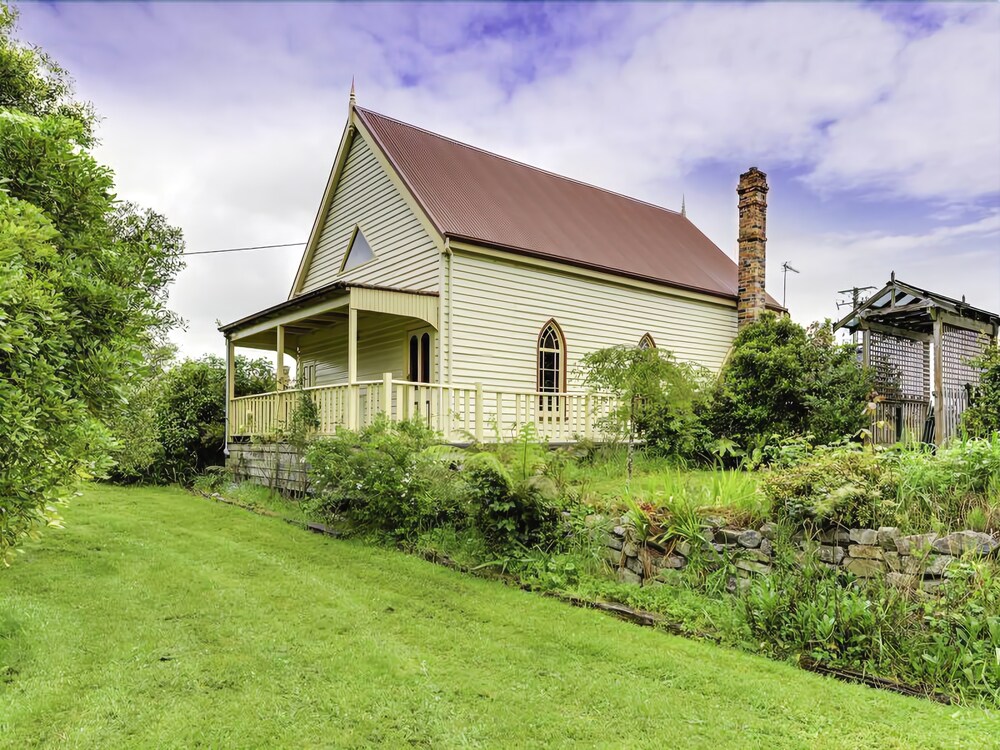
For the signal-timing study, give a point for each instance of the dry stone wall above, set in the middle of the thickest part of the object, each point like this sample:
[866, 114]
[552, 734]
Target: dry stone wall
[912, 561]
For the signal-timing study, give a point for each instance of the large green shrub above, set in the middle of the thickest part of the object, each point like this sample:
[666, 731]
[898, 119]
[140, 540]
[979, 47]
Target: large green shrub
[383, 479]
[982, 418]
[82, 294]
[172, 424]
[190, 419]
[784, 379]
[510, 513]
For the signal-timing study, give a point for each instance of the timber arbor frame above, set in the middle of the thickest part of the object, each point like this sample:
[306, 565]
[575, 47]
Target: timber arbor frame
[904, 330]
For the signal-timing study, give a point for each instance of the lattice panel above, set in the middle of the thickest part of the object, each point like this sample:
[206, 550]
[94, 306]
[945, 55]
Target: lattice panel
[959, 346]
[902, 366]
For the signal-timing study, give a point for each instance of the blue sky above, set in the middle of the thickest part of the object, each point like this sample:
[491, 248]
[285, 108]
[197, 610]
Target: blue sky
[878, 124]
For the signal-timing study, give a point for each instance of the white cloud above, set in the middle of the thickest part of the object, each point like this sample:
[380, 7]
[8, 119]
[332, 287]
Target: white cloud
[936, 132]
[226, 118]
[956, 260]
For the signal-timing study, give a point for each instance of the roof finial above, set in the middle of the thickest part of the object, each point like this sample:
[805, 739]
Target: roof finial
[684, 211]
[353, 99]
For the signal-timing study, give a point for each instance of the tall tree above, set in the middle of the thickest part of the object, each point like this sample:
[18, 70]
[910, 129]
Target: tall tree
[83, 282]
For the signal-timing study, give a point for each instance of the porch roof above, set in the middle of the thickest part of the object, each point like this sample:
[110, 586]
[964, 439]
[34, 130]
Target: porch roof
[906, 309]
[323, 305]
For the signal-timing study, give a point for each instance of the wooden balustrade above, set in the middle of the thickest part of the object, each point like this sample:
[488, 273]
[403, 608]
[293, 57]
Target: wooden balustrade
[461, 414]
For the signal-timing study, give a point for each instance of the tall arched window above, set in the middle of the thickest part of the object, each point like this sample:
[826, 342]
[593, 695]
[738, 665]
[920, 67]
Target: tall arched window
[646, 342]
[551, 364]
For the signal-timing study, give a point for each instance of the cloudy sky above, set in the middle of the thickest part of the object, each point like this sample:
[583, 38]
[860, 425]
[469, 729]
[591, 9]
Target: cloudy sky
[878, 124]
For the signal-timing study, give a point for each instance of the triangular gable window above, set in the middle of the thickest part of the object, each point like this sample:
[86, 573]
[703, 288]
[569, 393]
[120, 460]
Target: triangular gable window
[359, 252]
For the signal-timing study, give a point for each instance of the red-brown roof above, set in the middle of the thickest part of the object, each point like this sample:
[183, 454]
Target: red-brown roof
[487, 199]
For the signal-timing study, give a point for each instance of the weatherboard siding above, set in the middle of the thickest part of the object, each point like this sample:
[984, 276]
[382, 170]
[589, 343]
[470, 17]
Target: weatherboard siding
[499, 307]
[405, 255]
[381, 349]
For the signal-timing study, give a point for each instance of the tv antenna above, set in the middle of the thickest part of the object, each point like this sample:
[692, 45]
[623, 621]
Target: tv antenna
[785, 268]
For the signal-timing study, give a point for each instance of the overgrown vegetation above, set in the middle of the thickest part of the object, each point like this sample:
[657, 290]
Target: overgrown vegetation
[542, 517]
[83, 285]
[948, 642]
[175, 418]
[911, 487]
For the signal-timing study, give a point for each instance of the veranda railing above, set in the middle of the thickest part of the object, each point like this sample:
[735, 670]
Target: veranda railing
[460, 413]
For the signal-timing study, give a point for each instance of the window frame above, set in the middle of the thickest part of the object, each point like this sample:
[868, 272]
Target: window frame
[350, 246]
[648, 338]
[561, 352]
[425, 358]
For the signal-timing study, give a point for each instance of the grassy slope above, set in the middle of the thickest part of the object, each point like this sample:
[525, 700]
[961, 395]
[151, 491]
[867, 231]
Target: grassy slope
[157, 619]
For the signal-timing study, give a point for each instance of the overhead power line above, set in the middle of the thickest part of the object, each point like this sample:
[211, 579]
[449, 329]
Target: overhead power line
[241, 249]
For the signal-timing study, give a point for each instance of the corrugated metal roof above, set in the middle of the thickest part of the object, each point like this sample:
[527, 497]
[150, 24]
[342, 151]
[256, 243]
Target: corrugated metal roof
[472, 194]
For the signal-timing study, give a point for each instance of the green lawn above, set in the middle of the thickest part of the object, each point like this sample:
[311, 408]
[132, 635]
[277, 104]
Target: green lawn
[159, 619]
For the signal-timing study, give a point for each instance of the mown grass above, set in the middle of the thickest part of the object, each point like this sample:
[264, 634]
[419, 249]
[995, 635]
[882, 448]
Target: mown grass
[160, 619]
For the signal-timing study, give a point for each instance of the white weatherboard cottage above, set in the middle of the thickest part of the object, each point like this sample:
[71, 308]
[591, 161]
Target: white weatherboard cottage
[446, 282]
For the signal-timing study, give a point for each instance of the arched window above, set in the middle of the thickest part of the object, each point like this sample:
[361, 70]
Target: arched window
[551, 359]
[419, 353]
[646, 342]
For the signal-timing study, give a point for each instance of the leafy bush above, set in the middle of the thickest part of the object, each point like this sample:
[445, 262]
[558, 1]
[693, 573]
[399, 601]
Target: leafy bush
[982, 418]
[383, 479]
[190, 419]
[510, 514]
[781, 378]
[658, 397]
[842, 485]
[172, 424]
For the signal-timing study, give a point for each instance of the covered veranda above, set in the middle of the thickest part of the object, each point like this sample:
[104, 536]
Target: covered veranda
[389, 372]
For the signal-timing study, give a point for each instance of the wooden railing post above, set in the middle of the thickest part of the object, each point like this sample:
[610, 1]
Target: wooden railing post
[387, 395]
[588, 418]
[279, 348]
[230, 390]
[479, 412]
[353, 393]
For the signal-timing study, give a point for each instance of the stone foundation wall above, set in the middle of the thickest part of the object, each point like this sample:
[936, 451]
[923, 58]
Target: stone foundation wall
[276, 465]
[911, 561]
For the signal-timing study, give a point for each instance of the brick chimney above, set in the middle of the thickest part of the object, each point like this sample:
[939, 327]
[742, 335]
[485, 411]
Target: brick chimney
[753, 216]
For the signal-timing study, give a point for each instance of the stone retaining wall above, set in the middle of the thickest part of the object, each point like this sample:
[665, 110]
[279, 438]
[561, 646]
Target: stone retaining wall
[911, 561]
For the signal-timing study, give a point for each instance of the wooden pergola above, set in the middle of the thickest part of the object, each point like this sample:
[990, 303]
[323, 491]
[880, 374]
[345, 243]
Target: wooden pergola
[920, 344]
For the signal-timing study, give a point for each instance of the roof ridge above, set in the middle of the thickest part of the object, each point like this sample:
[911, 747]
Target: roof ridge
[522, 163]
